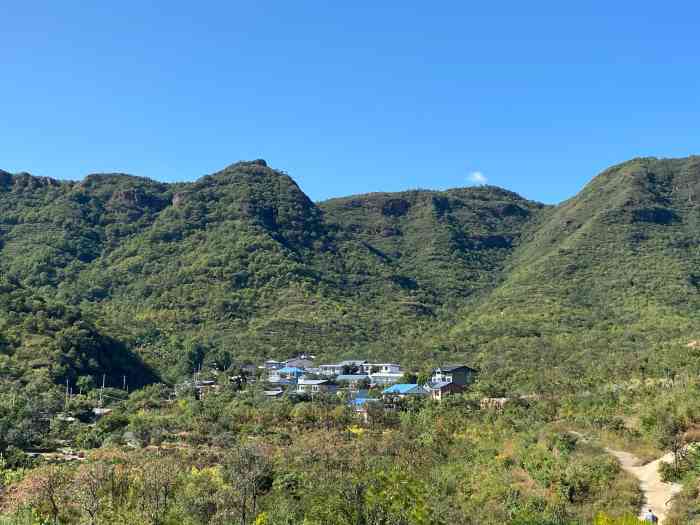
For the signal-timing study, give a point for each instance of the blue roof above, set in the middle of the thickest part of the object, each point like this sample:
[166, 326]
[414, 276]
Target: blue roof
[362, 401]
[401, 388]
[290, 370]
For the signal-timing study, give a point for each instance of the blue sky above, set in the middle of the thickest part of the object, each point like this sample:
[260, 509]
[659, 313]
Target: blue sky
[536, 96]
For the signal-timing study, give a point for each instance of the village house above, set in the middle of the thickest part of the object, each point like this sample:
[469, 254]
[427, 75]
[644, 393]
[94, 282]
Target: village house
[315, 386]
[387, 378]
[349, 366]
[385, 373]
[460, 375]
[287, 373]
[271, 364]
[203, 388]
[361, 407]
[438, 391]
[380, 368]
[403, 390]
[274, 393]
[299, 362]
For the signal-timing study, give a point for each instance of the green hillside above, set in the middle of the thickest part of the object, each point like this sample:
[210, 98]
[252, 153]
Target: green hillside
[605, 284]
[241, 265]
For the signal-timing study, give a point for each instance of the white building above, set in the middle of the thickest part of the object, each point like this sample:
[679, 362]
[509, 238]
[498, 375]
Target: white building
[314, 386]
[388, 378]
[381, 368]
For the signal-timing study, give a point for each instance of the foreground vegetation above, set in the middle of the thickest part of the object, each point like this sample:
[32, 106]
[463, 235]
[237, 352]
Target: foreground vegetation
[237, 457]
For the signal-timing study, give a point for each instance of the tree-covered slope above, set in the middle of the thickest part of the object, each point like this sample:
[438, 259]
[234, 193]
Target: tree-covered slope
[45, 343]
[241, 265]
[603, 283]
[51, 230]
[444, 246]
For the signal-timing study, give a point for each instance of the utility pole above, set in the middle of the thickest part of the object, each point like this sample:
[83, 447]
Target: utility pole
[102, 389]
[65, 405]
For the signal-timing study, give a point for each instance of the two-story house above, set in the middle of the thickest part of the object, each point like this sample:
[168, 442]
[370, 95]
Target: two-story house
[350, 366]
[460, 375]
[380, 368]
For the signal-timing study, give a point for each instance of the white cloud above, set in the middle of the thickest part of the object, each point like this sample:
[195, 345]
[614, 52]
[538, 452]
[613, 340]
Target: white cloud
[476, 177]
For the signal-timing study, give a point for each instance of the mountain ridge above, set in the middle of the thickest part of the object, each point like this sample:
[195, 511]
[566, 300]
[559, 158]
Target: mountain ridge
[241, 264]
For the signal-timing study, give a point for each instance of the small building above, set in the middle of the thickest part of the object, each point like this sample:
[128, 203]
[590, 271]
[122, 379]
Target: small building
[100, 412]
[381, 368]
[385, 378]
[360, 406]
[299, 362]
[205, 387]
[403, 390]
[274, 393]
[271, 364]
[349, 366]
[248, 370]
[289, 373]
[460, 375]
[314, 386]
[438, 391]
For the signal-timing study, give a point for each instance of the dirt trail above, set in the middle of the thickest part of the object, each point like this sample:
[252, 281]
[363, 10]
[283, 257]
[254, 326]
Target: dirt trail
[657, 494]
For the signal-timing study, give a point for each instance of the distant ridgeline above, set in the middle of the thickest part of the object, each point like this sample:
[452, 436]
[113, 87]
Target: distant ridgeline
[126, 276]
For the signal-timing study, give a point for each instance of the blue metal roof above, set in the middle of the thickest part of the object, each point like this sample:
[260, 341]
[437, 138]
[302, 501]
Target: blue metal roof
[290, 370]
[363, 401]
[401, 388]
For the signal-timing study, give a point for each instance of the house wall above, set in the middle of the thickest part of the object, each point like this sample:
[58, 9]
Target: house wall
[460, 376]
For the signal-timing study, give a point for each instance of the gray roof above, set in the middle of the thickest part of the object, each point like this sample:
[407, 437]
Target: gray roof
[452, 368]
[439, 385]
[312, 381]
[273, 393]
[352, 377]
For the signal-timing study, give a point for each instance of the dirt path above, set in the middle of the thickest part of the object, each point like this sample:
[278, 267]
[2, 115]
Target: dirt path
[657, 494]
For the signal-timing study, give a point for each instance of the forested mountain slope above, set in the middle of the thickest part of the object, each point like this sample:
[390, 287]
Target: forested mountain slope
[241, 265]
[605, 284]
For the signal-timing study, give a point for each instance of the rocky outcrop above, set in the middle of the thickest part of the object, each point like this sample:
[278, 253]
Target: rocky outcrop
[395, 207]
[5, 179]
